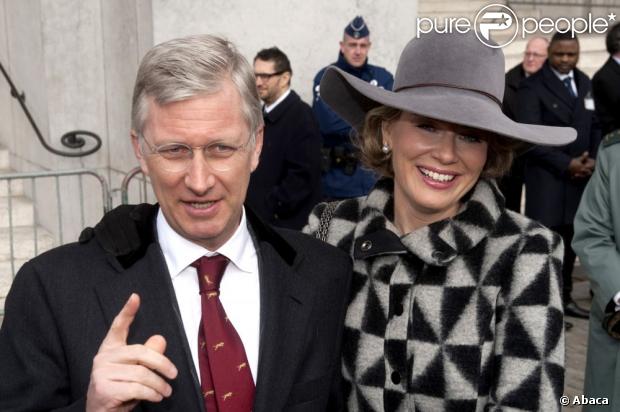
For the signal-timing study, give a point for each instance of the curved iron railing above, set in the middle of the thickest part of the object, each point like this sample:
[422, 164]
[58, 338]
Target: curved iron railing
[73, 140]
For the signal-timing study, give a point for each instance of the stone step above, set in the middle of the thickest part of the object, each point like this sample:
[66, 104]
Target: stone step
[23, 240]
[22, 211]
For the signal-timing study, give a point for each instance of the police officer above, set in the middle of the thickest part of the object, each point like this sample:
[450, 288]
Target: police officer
[342, 175]
[597, 243]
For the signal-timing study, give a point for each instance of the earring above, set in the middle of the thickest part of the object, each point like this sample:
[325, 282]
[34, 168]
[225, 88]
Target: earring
[385, 148]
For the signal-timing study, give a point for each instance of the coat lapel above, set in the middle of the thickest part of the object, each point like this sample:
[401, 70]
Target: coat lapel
[158, 314]
[286, 305]
[557, 88]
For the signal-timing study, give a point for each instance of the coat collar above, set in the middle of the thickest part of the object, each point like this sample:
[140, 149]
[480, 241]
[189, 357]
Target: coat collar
[436, 244]
[514, 76]
[278, 111]
[132, 245]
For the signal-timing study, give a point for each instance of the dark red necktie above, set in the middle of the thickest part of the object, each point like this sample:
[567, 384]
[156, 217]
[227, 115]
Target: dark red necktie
[226, 380]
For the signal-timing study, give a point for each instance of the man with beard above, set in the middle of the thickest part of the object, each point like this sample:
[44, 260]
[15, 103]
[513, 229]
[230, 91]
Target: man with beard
[286, 185]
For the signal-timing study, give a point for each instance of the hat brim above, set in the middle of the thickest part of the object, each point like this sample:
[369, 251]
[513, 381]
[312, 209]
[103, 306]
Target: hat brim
[351, 98]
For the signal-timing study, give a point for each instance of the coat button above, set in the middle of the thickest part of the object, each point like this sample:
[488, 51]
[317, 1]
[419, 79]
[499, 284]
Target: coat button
[395, 378]
[398, 309]
[437, 255]
[366, 245]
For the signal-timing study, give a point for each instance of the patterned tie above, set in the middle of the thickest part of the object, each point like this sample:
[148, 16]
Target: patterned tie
[226, 380]
[569, 85]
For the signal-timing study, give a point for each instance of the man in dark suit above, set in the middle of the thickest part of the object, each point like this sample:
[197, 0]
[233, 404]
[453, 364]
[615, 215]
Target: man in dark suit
[559, 94]
[534, 56]
[203, 307]
[286, 185]
[606, 84]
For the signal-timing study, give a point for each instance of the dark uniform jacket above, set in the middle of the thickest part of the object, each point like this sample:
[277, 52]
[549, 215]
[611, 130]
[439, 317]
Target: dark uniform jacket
[336, 132]
[287, 182]
[552, 196]
[606, 89]
[62, 303]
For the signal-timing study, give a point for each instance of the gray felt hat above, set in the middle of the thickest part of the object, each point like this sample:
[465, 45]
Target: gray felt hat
[449, 77]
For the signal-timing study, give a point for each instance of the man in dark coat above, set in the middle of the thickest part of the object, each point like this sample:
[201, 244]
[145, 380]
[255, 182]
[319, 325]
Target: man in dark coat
[113, 323]
[286, 185]
[606, 84]
[560, 95]
[534, 56]
[343, 177]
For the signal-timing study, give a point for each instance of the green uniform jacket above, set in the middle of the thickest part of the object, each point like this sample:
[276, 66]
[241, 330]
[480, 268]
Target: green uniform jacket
[597, 231]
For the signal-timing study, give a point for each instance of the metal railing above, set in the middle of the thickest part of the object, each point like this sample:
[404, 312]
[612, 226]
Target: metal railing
[143, 189]
[69, 202]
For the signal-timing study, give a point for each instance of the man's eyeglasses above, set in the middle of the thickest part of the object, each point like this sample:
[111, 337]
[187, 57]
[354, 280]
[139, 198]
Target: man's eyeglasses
[177, 157]
[535, 55]
[267, 76]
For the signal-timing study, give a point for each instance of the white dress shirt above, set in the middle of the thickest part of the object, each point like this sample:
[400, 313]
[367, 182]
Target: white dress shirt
[239, 288]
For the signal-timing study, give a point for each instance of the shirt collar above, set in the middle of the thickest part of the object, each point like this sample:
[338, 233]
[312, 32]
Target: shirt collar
[562, 76]
[616, 58]
[180, 252]
[270, 107]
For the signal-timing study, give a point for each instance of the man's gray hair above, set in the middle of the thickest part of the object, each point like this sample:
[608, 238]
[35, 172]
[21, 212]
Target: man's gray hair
[191, 66]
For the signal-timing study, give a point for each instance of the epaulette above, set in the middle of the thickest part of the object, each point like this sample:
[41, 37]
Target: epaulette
[611, 138]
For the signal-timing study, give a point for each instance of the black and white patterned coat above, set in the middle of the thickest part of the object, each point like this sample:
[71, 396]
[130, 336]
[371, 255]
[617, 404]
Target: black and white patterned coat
[462, 315]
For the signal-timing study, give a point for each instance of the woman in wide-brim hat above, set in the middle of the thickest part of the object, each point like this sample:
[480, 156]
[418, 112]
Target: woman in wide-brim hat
[455, 301]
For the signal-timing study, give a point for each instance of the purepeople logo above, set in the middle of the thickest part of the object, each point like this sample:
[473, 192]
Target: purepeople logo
[497, 25]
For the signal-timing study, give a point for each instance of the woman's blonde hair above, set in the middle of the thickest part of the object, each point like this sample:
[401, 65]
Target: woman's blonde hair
[370, 141]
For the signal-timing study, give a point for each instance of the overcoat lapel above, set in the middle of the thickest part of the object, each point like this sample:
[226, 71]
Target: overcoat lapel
[285, 310]
[158, 314]
[557, 88]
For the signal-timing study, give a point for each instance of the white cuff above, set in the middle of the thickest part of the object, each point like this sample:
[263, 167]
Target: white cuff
[617, 300]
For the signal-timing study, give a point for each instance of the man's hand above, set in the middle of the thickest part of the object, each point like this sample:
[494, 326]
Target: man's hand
[582, 166]
[122, 374]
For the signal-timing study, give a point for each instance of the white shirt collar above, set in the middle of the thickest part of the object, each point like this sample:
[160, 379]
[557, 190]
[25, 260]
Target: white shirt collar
[562, 76]
[616, 58]
[180, 252]
[270, 107]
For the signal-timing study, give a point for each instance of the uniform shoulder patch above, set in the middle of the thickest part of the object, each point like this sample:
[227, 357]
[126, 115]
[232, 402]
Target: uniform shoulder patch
[611, 138]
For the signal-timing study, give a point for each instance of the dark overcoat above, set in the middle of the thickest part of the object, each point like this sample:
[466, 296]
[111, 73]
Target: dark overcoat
[552, 196]
[606, 89]
[511, 184]
[514, 77]
[62, 303]
[286, 185]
